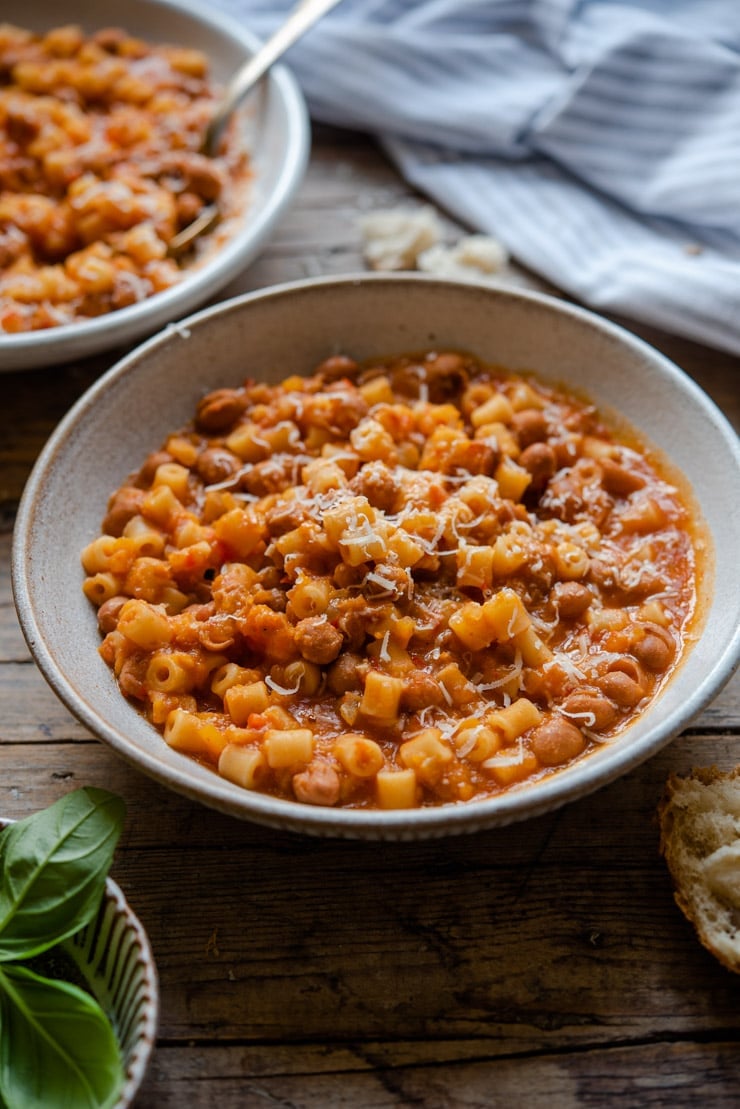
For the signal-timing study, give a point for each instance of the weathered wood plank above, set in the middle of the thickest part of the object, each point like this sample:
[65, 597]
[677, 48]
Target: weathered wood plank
[374, 1076]
[21, 685]
[12, 644]
[473, 957]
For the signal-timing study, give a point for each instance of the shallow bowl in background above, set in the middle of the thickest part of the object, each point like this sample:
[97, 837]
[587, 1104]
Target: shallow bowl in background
[278, 138]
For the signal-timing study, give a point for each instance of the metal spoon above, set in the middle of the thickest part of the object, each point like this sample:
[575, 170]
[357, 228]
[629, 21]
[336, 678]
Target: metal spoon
[301, 18]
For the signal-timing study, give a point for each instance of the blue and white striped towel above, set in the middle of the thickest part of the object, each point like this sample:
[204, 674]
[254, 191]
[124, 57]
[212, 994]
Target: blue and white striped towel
[598, 139]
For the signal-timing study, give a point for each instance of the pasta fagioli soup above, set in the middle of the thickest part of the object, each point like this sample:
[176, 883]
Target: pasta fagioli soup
[416, 581]
[100, 168]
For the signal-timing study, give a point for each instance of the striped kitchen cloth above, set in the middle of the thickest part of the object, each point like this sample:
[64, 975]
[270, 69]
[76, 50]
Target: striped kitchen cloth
[599, 140]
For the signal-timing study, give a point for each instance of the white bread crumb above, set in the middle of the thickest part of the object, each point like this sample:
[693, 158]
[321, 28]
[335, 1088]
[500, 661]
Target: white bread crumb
[410, 238]
[395, 237]
[722, 870]
[473, 257]
[699, 819]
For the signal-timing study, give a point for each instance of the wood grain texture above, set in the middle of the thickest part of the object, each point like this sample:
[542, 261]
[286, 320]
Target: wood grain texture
[544, 963]
[651, 1075]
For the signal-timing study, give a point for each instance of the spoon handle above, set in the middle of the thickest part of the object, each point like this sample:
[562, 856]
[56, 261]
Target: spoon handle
[303, 16]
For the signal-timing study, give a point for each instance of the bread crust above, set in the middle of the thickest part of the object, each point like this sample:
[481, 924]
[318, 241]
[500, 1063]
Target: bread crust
[699, 819]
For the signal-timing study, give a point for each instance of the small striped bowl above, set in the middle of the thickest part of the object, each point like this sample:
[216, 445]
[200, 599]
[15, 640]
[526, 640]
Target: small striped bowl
[114, 957]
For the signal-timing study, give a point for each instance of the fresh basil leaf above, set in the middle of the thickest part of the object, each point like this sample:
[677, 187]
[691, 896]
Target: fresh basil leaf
[57, 1047]
[54, 866]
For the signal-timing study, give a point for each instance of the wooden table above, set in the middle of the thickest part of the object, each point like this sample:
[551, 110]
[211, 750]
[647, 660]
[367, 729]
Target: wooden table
[544, 964]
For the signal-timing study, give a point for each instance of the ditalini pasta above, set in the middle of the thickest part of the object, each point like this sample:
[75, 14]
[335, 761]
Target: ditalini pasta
[412, 582]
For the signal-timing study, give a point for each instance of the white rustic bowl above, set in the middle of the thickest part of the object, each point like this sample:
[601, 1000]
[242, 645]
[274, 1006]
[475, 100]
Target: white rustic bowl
[289, 329]
[115, 959]
[278, 139]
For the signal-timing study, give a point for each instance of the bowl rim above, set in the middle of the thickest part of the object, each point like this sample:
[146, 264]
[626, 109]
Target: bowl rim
[34, 349]
[428, 822]
[135, 1067]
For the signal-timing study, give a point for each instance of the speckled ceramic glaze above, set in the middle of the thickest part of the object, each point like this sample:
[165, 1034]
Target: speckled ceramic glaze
[115, 959]
[278, 139]
[289, 329]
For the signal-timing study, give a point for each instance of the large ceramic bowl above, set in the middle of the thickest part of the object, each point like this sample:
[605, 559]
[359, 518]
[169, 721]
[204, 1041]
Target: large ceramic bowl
[114, 957]
[129, 412]
[277, 134]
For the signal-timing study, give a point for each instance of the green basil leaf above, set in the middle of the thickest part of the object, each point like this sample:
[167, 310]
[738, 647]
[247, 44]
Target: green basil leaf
[54, 866]
[57, 1047]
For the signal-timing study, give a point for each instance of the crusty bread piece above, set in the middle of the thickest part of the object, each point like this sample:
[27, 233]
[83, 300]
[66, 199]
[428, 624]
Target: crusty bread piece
[699, 819]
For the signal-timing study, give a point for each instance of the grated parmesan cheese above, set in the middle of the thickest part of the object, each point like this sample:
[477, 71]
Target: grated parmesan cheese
[378, 579]
[445, 693]
[506, 758]
[284, 690]
[588, 718]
